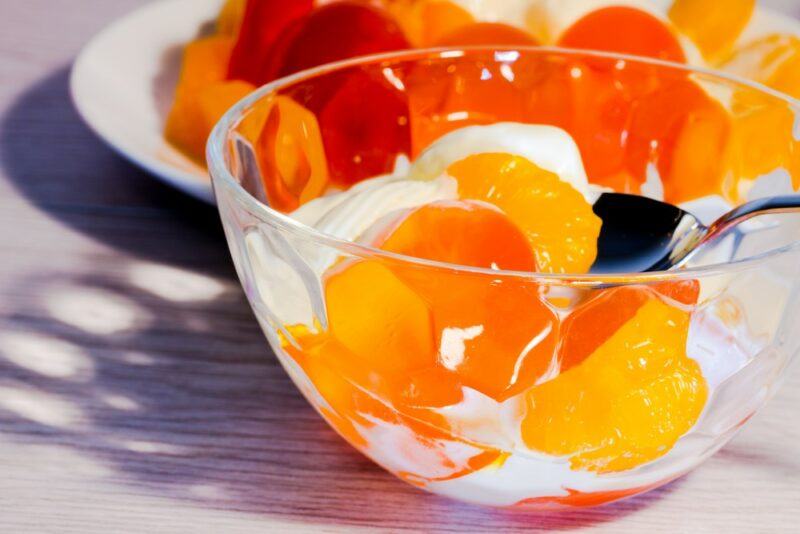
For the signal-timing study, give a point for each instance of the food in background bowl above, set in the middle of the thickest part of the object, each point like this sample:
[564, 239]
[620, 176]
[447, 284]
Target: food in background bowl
[257, 41]
[420, 269]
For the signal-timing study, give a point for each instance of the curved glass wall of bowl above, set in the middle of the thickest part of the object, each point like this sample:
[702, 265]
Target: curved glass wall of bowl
[358, 328]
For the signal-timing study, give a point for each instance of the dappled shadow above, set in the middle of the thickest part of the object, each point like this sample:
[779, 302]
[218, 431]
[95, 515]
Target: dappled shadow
[177, 390]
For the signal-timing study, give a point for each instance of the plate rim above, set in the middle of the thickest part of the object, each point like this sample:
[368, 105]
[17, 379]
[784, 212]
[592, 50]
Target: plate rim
[163, 171]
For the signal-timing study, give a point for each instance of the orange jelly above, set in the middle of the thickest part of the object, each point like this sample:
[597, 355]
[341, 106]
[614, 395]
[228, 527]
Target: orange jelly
[291, 154]
[425, 22]
[487, 33]
[496, 335]
[625, 30]
[712, 25]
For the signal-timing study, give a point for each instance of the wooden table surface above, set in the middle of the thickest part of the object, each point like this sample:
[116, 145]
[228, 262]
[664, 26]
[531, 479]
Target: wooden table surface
[137, 393]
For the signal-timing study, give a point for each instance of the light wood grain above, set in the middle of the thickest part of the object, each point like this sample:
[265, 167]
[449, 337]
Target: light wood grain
[125, 408]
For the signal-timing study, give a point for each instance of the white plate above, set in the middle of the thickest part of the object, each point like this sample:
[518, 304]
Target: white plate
[122, 83]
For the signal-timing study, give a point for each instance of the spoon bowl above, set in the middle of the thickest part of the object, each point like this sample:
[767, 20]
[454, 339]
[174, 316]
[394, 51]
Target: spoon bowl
[640, 234]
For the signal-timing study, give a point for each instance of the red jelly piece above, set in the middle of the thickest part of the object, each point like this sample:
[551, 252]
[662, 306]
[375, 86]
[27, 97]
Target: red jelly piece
[364, 127]
[263, 27]
[339, 31]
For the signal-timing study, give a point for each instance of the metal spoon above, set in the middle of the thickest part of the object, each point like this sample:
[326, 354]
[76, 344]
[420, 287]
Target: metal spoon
[641, 234]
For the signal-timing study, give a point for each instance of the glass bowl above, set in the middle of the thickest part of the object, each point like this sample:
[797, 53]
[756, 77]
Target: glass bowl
[523, 389]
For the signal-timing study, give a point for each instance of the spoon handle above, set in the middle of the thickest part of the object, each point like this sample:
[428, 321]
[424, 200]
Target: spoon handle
[762, 206]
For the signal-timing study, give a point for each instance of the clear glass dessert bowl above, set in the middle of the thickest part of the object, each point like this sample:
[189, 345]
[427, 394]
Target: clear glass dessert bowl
[347, 191]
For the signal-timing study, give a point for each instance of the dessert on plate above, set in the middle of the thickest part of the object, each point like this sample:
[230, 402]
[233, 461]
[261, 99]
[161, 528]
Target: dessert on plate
[257, 41]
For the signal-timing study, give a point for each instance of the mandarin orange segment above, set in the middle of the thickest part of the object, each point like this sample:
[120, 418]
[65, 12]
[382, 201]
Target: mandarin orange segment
[785, 64]
[205, 64]
[425, 22]
[193, 116]
[556, 218]
[626, 404]
[712, 25]
[486, 33]
[590, 325]
[291, 155]
[625, 30]
[495, 334]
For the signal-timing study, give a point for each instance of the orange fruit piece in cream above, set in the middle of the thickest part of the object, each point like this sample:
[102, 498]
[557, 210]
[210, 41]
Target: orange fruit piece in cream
[556, 218]
[712, 25]
[626, 404]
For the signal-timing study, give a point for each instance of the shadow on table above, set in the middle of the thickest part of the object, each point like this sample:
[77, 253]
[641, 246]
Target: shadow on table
[70, 175]
[157, 370]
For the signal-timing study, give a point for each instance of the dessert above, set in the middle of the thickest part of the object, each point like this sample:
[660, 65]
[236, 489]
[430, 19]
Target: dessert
[258, 41]
[460, 384]
[425, 282]
[463, 352]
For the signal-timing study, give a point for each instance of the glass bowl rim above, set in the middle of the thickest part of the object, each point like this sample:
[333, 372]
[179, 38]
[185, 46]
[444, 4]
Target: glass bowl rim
[220, 174]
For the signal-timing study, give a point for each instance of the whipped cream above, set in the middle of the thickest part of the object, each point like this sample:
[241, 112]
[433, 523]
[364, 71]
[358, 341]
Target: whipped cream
[350, 214]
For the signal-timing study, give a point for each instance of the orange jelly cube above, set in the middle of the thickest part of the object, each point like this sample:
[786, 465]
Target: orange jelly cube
[496, 334]
[625, 30]
[230, 17]
[467, 93]
[203, 95]
[425, 22]
[676, 127]
[378, 318]
[486, 33]
[291, 155]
